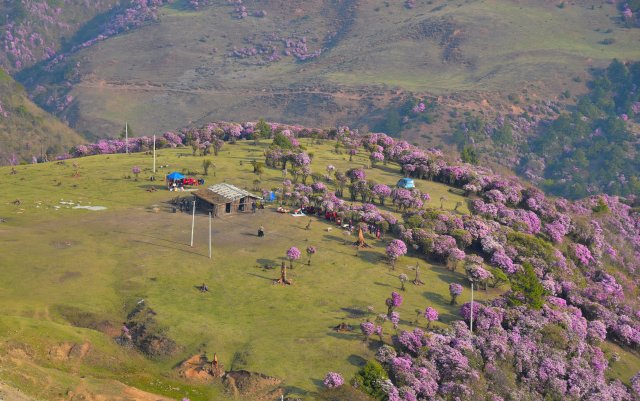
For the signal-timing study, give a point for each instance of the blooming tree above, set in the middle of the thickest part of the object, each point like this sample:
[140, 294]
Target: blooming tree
[311, 250]
[455, 290]
[393, 302]
[381, 191]
[394, 250]
[136, 171]
[431, 315]
[367, 328]
[293, 253]
[394, 318]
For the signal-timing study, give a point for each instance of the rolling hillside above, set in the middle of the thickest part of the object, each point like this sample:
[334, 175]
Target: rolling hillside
[327, 62]
[33, 31]
[111, 307]
[27, 131]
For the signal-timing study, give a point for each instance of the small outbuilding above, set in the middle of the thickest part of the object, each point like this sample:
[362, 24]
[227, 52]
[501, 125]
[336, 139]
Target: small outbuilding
[224, 199]
[406, 183]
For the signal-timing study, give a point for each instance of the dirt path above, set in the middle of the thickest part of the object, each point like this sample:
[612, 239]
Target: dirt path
[152, 87]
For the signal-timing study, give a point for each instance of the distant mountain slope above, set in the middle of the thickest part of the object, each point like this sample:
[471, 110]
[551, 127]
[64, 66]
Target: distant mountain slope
[328, 62]
[35, 30]
[27, 131]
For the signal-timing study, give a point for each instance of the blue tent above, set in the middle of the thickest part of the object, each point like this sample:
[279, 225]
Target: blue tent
[175, 176]
[406, 183]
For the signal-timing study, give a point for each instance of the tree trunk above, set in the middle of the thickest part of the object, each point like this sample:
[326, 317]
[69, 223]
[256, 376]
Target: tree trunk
[361, 243]
[283, 276]
[417, 280]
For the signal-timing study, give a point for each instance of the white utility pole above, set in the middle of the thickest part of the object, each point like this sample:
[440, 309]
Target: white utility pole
[126, 136]
[193, 221]
[471, 307]
[154, 154]
[209, 235]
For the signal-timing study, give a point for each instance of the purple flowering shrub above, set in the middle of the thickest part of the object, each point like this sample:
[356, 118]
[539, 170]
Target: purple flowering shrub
[333, 380]
[293, 253]
[544, 351]
[395, 249]
[455, 290]
[367, 329]
[431, 315]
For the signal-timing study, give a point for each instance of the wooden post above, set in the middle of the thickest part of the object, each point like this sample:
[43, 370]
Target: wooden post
[209, 235]
[193, 221]
[154, 154]
[417, 280]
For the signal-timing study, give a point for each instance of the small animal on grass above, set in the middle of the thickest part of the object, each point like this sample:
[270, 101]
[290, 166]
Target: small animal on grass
[328, 229]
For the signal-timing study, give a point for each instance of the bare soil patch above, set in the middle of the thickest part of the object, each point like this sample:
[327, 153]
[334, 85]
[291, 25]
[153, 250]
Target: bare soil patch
[63, 243]
[69, 276]
[84, 319]
[200, 369]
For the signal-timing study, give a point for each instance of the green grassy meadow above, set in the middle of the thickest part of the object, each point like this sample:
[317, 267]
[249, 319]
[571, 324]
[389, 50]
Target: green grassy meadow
[62, 265]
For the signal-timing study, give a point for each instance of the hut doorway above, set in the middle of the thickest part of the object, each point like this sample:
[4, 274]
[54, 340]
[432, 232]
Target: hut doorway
[242, 204]
[227, 208]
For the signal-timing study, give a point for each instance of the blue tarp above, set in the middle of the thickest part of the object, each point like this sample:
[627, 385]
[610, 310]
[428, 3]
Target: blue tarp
[175, 176]
[272, 196]
[406, 183]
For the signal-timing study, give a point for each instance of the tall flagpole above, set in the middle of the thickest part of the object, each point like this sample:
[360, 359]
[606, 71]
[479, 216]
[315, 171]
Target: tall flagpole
[209, 235]
[193, 221]
[154, 154]
[126, 136]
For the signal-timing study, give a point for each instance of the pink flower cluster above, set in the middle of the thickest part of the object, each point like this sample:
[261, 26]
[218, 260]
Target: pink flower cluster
[293, 253]
[333, 380]
[396, 248]
[582, 254]
[297, 47]
[431, 314]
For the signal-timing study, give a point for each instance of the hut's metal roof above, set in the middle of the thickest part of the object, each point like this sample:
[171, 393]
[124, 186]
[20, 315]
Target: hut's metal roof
[224, 192]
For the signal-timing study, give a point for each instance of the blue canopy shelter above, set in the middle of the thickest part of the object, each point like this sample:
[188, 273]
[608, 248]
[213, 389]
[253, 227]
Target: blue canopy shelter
[175, 176]
[406, 183]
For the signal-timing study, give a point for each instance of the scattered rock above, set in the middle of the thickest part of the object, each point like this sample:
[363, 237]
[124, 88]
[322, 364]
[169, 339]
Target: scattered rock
[343, 328]
[142, 331]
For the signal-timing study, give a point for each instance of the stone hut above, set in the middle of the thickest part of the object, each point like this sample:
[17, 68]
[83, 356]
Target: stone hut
[224, 199]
